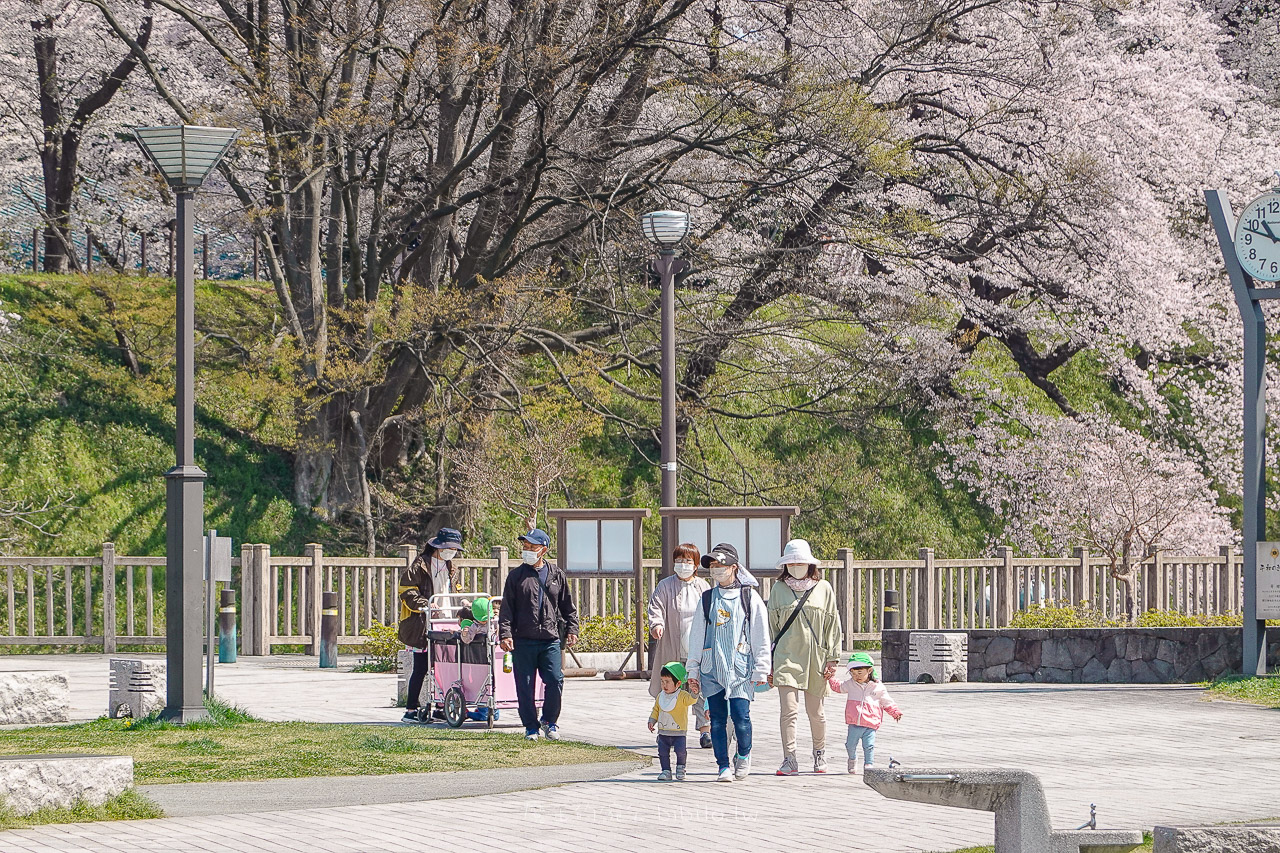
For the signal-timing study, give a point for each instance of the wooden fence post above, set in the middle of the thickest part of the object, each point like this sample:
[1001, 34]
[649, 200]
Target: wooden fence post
[499, 553]
[108, 598]
[408, 553]
[314, 586]
[248, 581]
[1150, 586]
[1005, 588]
[1081, 586]
[849, 620]
[268, 604]
[35, 250]
[927, 593]
[1224, 592]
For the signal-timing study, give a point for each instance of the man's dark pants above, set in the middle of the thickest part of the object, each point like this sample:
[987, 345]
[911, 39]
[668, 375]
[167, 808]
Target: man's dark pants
[541, 657]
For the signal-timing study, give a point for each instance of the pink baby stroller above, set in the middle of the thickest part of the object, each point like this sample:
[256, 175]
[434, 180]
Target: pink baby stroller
[468, 679]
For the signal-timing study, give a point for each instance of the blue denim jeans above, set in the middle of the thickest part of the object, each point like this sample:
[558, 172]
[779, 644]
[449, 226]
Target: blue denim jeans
[541, 658]
[720, 710]
[868, 738]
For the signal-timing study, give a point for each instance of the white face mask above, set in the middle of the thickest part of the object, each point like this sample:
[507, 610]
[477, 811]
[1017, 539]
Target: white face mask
[684, 569]
[447, 553]
[798, 571]
[720, 574]
[530, 557]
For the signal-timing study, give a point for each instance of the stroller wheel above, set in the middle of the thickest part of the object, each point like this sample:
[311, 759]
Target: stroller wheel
[455, 707]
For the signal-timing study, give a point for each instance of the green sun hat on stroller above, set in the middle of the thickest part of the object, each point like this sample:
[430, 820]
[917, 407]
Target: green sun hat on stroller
[859, 660]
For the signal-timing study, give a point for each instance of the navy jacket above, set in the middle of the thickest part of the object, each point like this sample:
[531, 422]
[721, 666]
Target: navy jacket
[520, 618]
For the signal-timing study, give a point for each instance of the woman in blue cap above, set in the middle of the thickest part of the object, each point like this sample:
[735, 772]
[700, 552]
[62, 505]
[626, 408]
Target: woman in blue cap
[432, 572]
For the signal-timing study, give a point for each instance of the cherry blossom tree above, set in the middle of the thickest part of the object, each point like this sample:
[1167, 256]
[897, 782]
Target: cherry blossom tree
[1088, 481]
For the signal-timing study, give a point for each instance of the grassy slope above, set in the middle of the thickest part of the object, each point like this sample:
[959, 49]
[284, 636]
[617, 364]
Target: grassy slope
[75, 423]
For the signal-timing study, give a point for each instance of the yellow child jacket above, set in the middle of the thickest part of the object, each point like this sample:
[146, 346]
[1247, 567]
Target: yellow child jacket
[675, 719]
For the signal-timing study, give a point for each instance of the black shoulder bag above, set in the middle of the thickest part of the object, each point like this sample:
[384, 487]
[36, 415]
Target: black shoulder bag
[794, 613]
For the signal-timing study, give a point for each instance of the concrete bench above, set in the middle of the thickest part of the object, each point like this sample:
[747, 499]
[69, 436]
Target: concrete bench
[31, 782]
[38, 696]
[1241, 838]
[1016, 797]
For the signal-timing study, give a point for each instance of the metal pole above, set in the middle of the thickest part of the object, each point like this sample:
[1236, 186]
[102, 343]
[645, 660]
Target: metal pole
[666, 274]
[204, 255]
[88, 251]
[35, 250]
[255, 257]
[142, 253]
[184, 504]
[889, 618]
[1255, 425]
[329, 631]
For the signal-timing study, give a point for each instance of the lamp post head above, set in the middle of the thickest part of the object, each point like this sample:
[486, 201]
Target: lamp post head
[185, 154]
[666, 229]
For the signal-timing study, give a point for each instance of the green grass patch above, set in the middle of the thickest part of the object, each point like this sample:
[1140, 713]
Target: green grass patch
[127, 806]
[1253, 690]
[234, 746]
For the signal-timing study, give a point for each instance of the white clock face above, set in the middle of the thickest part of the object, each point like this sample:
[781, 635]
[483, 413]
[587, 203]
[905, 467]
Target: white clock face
[1258, 237]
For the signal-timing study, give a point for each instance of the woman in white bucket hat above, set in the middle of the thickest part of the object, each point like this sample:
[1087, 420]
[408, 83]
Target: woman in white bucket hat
[805, 626]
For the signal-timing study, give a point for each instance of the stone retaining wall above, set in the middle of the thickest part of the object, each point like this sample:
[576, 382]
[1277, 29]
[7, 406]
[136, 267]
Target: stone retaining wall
[1092, 655]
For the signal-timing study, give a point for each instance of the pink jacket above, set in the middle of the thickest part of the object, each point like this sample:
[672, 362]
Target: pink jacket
[866, 703]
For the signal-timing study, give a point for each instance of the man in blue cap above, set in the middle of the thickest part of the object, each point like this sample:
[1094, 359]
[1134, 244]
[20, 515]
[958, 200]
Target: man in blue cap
[537, 614]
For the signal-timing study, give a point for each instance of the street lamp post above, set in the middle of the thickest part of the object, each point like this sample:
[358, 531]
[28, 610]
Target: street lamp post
[666, 229]
[185, 155]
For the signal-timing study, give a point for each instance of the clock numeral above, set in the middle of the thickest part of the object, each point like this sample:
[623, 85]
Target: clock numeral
[1253, 254]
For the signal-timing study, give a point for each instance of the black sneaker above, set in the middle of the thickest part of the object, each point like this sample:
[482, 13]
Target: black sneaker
[410, 716]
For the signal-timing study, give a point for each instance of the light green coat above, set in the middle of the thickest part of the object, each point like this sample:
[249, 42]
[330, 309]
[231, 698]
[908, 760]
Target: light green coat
[813, 638]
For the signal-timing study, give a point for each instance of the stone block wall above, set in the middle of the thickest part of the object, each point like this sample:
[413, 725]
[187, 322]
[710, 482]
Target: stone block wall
[1092, 655]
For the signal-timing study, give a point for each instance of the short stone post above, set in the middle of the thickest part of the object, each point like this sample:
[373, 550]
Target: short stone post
[926, 592]
[889, 619]
[1006, 588]
[227, 627]
[329, 631]
[108, 598]
[314, 586]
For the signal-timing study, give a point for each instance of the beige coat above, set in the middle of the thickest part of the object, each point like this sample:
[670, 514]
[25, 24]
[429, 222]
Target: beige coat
[813, 638]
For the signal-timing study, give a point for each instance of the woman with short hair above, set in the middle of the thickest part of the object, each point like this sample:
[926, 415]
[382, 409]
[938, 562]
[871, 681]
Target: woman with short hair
[672, 605]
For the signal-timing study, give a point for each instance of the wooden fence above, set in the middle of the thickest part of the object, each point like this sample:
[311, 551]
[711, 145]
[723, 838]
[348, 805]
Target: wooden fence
[110, 600]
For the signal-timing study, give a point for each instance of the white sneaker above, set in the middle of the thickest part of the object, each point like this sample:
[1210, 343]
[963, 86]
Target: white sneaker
[531, 735]
[741, 766]
[664, 776]
[679, 772]
[790, 766]
[853, 766]
[726, 775]
[819, 761]
[551, 731]
[867, 767]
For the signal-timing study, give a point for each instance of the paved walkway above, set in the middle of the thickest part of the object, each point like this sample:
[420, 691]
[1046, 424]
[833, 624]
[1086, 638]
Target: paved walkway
[1145, 755]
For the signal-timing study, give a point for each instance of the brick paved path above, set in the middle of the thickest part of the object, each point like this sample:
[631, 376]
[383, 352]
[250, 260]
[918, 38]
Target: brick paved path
[1143, 754]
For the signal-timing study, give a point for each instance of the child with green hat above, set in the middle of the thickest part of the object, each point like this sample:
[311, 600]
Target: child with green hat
[670, 718]
[865, 709]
